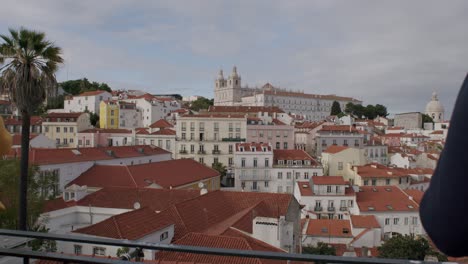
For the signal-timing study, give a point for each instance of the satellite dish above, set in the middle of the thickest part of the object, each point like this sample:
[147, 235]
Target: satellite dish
[201, 185]
[136, 206]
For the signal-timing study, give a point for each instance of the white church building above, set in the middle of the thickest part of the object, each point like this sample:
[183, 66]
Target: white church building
[313, 107]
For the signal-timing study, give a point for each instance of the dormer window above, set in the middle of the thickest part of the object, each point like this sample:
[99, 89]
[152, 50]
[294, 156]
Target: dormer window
[290, 162]
[241, 149]
[72, 195]
[307, 162]
[67, 196]
[281, 162]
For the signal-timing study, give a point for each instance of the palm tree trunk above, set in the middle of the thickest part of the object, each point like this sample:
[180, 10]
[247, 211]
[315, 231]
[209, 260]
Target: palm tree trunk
[24, 165]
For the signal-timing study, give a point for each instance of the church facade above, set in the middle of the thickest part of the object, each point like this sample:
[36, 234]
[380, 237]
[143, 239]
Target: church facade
[312, 107]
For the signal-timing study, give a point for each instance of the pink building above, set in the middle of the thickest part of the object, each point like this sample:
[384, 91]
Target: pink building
[100, 137]
[279, 134]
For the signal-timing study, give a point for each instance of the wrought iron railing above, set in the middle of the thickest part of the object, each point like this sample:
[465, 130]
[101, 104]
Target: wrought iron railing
[28, 254]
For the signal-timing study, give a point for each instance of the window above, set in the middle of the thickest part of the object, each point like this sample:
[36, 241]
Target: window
[298, 174]
[314, 174]
[168, 144]
[99, 251]
[288, 175]
[192, 148]
[65, 141]
[340, 216]
[230, 149]
[280, 189]
[254, 185]
[112, 112]
[350, 203]
[201, 160]
[267, 162]
[78, 249]
[285, 145]
[387, 221]
[57, 129]
[80, 142]
[396, 220]
[329, 189]
[306, 175]
[387, 181]
[183, 135]
[243, 163]
[334, 142]
[47, 129]
[215, 160]
[374, 182]
[230, 161]
[278, 145]
[57, 141]
[65, 130]
[164, 236]
[71, 130]
[340, 165]
[255, 162]
[160, 143]
[288, 189]
[414, 220]
[345, 143]
[87, 142]
[280, 175]
[366, 182]
[406, 220]
[266, 184]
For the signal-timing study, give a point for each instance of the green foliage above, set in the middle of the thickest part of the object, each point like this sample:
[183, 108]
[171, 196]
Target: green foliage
[9, 186]
[122, 251]
[220, 168]
[94, 119]
[427, 119]
[336, 108]
[42, 244]
[75, 87]
[201, 103]
[320, 249]
[369, 111]
[408, 247]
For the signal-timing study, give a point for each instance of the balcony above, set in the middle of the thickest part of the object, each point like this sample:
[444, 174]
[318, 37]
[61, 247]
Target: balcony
[331, 209]
[183, 151]
[201, 152]
[233, 139]
[137, 246]
[257, 189]
[343, 208]
[216, 151]
[318, 209]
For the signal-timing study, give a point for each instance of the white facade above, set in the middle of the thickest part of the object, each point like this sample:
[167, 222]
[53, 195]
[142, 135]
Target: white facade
[404, 223]
[275, 231]
[166, 142]
[130, 118]
[435, 109]
[88, 101]
[152, 108]
[403, 161]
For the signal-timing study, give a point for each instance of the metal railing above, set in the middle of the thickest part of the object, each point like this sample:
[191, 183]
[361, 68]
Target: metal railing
[64, 258]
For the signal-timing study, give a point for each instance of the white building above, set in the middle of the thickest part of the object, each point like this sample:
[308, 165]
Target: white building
[87, 101]
[395, 210]
[130, 116]
[229, 91]
[339, 135]
[326, 197]
[35, 141]
[435, 109]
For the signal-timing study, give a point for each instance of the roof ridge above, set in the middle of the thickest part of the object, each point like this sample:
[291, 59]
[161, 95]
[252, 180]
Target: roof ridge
[117, 227]
[131, 176]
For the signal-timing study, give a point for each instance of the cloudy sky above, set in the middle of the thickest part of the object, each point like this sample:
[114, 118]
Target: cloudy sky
[391, 52]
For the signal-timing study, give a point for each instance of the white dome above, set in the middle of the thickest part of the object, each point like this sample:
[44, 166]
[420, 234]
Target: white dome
[434, 106]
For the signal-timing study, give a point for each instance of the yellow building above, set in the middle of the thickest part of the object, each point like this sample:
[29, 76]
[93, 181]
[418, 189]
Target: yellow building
[109, 114]
[62, 127]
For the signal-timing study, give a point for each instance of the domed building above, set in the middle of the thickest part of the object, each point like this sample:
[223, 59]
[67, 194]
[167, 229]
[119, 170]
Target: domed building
[435, 109]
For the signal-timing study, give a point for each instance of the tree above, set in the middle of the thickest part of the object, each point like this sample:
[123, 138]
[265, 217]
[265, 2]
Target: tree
[427, 119]
[75, 87]
[336, 108]
[369, 111]
[320, 249]
[29, 74]
[381, 110]
[94, 119]
[201, 103]
[220, 168]
[408, 247]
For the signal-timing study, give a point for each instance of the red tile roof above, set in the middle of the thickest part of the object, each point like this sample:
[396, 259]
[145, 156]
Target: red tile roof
[35, 120]
[40, 156]
[278, 122]
[437, 132]
[292, 154]
[416, 194]
[214, 116]
[342, 128]
[125, 198]
[257, 146]
[230, 240]
[161, 123]
[53, 117]
[165, 132]
[375, 170]
[364, 221]
[310, 125]
[131, 225]
[384, 199]
[328, 180]
[329, 228]
[306, 189]
[167, 174]
[244, 109]
[333, 149]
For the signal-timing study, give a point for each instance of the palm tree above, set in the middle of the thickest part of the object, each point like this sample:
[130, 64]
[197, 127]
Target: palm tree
[28, 73]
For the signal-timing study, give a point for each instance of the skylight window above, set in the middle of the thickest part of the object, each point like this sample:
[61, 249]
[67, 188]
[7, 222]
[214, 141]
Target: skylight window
[324, 230]
[410, 207]
[389, 207]
[371, 208]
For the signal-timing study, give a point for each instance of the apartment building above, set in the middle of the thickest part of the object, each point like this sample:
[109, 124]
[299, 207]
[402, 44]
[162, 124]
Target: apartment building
[87, 101]
[327, 197]
[14, 124]
[109, 114]
[378, 175]
[210, 138]
[340, 135]
[105, 137]
[152, 108]
[160, 134]
[63, 127]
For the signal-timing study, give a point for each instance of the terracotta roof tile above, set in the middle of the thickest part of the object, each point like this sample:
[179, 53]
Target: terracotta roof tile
[253, 145]
[165, 132]
[292, 154]
[17, 138]
[333, 149]
[167, 174]
[161, 123]
[416, 194]
[91, 93]
[384, 199]
[329, 228]
[364, 221]
[328, 180]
